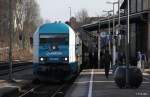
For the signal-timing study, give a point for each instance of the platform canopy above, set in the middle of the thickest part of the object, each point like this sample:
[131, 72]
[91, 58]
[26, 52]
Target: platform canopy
[103, 23]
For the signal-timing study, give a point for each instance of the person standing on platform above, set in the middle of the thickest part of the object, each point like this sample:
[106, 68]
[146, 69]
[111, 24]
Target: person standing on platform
[92, 59]
[102, 59]
[143, 61]
[139, 60]
[107, 59]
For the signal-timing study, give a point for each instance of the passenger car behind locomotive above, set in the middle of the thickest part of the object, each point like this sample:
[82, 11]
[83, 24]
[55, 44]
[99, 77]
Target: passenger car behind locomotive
[57, 52]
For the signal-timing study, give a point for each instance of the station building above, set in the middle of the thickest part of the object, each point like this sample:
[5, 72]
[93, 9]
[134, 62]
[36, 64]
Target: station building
[139, 27]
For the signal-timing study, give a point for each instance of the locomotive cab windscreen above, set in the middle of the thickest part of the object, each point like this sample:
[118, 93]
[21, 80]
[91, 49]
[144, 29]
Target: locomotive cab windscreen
[54, 39]
[53, 47]
[54, 42]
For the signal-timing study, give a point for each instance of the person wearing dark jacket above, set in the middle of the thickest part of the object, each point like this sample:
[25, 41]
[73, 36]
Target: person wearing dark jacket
[107, 59]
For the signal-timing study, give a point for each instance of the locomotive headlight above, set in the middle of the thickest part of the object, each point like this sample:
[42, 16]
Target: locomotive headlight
[66, 59]
[41, 59]
[54, 47]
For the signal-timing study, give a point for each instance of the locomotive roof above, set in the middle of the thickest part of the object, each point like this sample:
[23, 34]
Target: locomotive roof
[54, 28]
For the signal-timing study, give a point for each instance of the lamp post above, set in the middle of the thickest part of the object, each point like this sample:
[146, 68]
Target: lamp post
[108, 12]
[114, 34]
[10, 38]
[118, 16]
[70, 14]
[128, 19]
[127, 46]
[99, 43]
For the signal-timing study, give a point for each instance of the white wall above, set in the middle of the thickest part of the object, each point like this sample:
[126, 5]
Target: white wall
[72, 56]
[36, 46]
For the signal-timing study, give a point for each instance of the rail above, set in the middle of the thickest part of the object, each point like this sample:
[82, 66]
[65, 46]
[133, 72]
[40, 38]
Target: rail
[4, 68]
[46, 90]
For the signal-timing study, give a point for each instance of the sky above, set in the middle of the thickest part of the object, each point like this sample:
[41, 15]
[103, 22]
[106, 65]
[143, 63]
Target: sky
[58, 10]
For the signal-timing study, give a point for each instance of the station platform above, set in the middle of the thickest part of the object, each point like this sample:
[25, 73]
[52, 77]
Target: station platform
[21, 79]
[93, 83]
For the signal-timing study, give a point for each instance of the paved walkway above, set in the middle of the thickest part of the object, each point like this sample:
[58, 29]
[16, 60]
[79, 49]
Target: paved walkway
[92, 83]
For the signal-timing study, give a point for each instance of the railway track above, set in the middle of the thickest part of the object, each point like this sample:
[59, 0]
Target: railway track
[17, 66]
[46, 90]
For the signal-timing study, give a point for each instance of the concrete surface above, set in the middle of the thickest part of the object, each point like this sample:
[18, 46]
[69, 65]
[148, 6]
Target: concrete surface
[99, 86]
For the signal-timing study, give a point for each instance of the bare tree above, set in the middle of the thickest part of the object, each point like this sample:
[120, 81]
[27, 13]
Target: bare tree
[19, 18]
[4, 22]
[82, 17]
[31, 13]
[26, 18]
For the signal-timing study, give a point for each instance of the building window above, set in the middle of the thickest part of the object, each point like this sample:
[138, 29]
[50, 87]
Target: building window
[139, 5]
[133, 6]
[145, 4]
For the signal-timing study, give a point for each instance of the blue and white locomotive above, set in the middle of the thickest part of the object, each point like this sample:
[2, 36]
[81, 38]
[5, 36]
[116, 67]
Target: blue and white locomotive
[57, 52]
